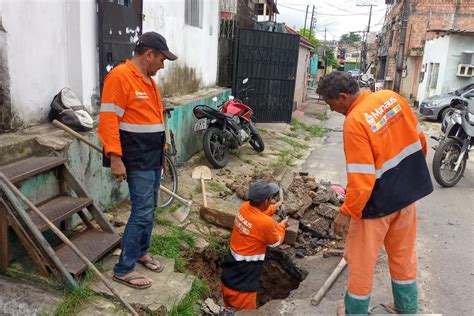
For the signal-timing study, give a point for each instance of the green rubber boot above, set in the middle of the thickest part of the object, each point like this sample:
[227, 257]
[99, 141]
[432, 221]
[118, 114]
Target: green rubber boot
[356, 305]
[405, 296]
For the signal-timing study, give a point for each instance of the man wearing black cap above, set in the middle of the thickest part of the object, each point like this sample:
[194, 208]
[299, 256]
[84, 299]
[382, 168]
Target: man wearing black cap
[132, 133]
[254, 230]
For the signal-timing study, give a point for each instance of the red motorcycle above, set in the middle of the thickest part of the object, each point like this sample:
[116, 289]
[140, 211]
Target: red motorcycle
[228, 127]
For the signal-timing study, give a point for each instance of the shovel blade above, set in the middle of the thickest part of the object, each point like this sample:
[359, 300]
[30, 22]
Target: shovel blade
[202, 172]
[181, 213]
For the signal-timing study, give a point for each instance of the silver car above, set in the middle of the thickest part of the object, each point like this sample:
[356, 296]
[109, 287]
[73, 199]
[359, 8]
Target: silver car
[436, 107]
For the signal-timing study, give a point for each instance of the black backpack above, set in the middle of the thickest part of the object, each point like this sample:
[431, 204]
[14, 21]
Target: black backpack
[67, 109]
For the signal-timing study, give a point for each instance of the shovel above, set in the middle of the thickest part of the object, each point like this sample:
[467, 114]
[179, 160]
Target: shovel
[202, 173]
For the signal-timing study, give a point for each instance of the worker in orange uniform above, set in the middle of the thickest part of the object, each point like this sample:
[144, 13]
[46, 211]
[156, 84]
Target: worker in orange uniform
[254, 230]
[132, 133]
[385, 152]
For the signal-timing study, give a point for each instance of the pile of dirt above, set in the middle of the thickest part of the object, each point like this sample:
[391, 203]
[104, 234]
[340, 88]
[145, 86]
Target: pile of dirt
[207, 266]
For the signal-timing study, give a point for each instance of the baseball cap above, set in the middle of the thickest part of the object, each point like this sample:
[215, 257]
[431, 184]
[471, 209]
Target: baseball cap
[156, 41]
[261, 190]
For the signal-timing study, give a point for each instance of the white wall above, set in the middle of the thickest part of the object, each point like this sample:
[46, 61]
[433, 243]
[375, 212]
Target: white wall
[49, 44]
[458, 44]
[446, 51]
[52, 44]
[301, 74]
[196, 47]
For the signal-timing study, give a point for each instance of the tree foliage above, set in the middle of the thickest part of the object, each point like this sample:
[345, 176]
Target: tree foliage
[350, 38]
[331, 58]
[305, 33]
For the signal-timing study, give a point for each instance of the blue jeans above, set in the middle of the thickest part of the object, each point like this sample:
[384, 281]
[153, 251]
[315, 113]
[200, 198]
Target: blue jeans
[143, 186]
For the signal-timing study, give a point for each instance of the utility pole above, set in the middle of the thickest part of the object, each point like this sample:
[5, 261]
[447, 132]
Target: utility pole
[325, 54]
[401, 48]
[311, 24]
[363, 57]
[306, 18]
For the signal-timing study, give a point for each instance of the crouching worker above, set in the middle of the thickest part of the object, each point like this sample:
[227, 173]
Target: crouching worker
[254, 230]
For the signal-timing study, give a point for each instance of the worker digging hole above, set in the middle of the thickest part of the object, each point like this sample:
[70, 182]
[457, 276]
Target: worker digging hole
[312, 208]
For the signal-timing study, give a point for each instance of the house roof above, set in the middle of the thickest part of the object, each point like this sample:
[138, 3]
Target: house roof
[303, 40]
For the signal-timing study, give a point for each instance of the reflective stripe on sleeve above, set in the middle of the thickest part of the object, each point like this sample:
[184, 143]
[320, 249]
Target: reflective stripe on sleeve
[360, 168]
[277, 243]
[110, 107]
[238, 257]
[141, 128]
[395, 161]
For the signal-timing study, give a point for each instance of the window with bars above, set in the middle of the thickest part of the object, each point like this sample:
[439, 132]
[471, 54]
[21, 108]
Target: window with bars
[193, 13]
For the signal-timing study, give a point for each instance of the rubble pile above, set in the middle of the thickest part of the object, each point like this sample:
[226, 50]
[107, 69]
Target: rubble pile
[312, 206]
[315, 205]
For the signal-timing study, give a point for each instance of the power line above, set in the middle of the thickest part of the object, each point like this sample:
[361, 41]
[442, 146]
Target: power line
[329, 14]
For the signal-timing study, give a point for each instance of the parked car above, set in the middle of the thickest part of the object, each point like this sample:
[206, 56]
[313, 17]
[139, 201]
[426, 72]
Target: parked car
[436, 107]
[354, 73]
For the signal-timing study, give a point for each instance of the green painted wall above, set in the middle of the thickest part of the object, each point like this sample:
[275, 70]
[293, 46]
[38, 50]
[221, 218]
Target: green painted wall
[350, 66]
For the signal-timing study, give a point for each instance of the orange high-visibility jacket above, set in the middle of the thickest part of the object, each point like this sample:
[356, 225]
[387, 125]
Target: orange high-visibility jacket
[385, 152]
[131, 118]
[253, 231]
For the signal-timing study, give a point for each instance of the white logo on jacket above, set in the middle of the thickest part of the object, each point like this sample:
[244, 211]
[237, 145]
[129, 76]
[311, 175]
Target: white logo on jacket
[141, 95]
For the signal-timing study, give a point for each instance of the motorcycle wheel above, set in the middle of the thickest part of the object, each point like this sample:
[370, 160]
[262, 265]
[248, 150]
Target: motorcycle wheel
[444, 161]
[257, 142]
[216, 150]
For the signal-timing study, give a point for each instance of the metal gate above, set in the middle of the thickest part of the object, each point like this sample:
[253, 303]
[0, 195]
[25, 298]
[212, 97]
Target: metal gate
[269, 60]
[120, 24]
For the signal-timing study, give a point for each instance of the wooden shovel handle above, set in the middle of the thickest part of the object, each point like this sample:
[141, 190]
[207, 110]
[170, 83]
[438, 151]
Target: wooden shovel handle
[204, 198]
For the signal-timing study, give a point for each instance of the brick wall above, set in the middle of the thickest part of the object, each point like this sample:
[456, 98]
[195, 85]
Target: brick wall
[423, 15]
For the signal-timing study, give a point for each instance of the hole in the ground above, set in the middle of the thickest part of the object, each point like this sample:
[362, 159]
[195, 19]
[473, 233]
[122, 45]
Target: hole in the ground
[280, 275]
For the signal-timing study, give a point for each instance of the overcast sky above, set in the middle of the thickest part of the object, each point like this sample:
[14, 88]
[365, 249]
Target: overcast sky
[338, 16]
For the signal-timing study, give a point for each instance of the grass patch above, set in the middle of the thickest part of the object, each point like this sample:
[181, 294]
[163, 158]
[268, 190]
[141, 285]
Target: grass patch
[76, 298]
[294, 143]
[169, 209]
[190, 304]
[159, 220]
[248, 161]
[216, 186]
[74, 301]
[323, 117]
[313, 130]
[291, 134]
[285, 158]
[163, 221]
[307, 138]
[169, 244]
[218, 245]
